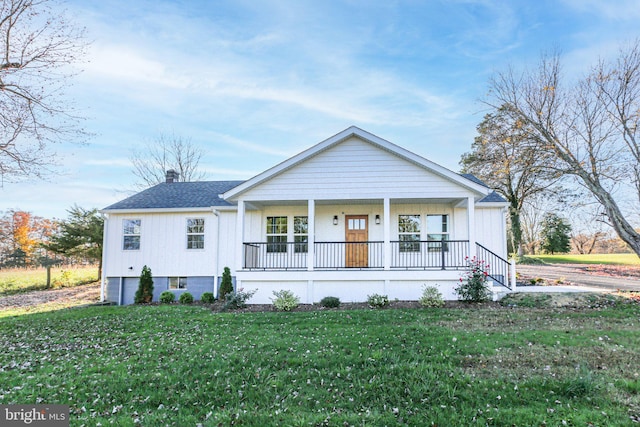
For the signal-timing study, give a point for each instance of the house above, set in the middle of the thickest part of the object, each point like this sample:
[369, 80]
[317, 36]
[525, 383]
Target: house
[351, 216]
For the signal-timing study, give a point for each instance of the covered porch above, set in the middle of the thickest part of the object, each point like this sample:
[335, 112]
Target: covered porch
[362, 235]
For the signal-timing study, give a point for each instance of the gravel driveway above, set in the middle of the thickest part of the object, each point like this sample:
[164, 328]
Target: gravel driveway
[577, 274]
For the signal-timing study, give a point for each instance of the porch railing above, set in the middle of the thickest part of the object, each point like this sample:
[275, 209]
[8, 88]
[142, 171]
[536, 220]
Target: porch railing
[498, 266]
[426, 255]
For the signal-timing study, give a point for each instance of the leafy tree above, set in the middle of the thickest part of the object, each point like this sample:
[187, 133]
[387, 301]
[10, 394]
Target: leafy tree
[555, 234]
[21, 233]
[80, 236]
[591, 128]
[504, 157]
[38, 46]
[144, 294]
[226, 287]
[165, 152]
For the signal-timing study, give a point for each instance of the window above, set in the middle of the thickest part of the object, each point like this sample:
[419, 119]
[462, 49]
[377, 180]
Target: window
[276, 234]
[409, 233]
[301, 233]
[177, 283]
[131, 234]
[437, 229]
[195, 233]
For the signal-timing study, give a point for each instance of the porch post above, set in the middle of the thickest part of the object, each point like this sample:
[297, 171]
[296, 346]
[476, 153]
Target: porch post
[311, 236]
[387, 233]
[471, 217]
[240, 236]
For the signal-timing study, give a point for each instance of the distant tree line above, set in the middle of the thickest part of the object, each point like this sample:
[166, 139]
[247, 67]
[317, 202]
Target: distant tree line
[27, 240]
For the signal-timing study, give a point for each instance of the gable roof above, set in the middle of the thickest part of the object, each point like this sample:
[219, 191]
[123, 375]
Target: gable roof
[466, 182]
[177, 195]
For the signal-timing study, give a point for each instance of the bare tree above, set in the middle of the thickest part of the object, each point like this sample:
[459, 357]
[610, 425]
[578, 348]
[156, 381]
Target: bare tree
[165, 152]
[590, 128]
[502, 156]
[37, 47]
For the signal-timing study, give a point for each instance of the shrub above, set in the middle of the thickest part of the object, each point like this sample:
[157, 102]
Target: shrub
[473, 285]
[236, 300]
[285, 300]
[167, 297]
[207, 298]
[186, 298]
[330, 302]
[431, 297]
[144, 294]
[377, 301]
[226, 287]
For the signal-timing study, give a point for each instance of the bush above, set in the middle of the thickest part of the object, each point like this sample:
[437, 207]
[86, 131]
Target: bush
[377, 301]
[285, 300]
[186, 298]
[144, 294]
[207, 298]
[236, 300]
[330, 302]
[167, 297]
[431, 297]
[226, 287]
[473, 285]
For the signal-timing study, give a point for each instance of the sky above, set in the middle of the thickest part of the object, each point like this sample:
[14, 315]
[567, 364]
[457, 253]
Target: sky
[256, 82]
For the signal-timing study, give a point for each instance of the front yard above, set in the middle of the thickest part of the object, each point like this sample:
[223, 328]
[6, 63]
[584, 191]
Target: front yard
[188, 366]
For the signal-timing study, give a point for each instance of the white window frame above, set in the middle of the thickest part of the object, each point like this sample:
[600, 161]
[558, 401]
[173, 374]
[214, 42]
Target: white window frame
[199, 233]
[277, 246]
[445, 226]
[301, 237]
[406, 246]
[129, 228]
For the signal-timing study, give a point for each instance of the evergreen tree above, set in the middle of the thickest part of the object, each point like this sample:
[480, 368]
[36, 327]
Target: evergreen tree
[555, 234]
[80, 236]
[226, 287]
[144, 294]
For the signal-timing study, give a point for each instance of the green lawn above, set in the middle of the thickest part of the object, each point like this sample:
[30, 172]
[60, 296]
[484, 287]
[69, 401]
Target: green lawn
[185, 366]
[16, 281]
[620, 259]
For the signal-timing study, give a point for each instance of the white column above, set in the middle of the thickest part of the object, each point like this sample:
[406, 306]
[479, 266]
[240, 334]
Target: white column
[311, 237]
[386, 221]
[240, 235]
[471, 217]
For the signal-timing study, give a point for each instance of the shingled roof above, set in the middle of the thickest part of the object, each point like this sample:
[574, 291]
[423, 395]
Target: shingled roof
[178, 195]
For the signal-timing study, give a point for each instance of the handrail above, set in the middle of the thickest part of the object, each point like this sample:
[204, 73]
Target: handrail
[498, 266]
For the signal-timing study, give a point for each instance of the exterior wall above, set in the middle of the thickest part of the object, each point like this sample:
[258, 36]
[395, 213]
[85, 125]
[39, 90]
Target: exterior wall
[196, 286]
[491, 230]
[349, 286]
[355, 169]
[163, 246]
[326, 231]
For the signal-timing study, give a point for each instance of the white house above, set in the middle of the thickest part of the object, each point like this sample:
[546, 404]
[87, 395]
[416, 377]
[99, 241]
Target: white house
[351, 216]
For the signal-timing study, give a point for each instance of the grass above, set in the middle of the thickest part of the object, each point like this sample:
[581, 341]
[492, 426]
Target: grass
[187, 366]
[15, 281]
[614, 259]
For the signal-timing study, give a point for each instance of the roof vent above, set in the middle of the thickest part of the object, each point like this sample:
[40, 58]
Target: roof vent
[172, 176]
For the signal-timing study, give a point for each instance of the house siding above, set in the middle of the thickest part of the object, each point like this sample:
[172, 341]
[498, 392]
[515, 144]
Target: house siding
[163, 246]
[355, 169]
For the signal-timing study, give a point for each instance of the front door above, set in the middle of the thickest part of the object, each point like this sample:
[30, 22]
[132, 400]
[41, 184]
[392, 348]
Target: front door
[356, 236]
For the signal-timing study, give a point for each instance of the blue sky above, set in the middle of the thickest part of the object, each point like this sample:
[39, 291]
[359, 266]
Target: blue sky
[255, 82]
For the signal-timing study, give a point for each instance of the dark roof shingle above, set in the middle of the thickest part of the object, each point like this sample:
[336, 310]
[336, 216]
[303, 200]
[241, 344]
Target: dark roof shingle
[178, 195]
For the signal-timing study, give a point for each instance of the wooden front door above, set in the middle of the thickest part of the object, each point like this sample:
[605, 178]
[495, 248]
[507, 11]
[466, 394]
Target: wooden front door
[356, 236]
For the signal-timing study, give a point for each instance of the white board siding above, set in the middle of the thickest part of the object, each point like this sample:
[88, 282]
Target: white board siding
[491, 230]
[163, 246]
[355, 169]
